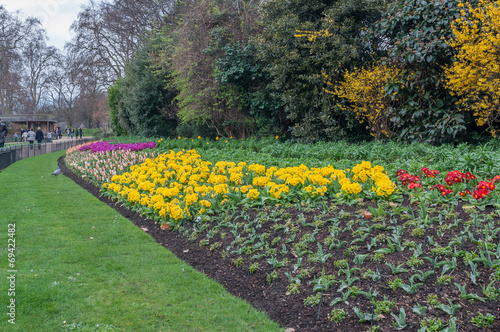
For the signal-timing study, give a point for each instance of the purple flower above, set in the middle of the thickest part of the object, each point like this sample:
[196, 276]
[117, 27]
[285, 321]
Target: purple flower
[107, 146]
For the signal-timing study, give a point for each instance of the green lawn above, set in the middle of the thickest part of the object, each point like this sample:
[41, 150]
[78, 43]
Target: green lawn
[82, 266]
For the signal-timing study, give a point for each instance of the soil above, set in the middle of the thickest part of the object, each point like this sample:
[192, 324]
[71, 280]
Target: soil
[289, 310]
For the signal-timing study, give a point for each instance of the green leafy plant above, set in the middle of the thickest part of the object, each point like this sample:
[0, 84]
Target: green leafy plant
[431, 325]
[465, 296]
[432, 299]
[414, 262]
[483, 321]
[449, 309]
[395, 284]
[313, 300]
[445, 279]
[412, 287]
[253, 268]
[383, 307]
[364, 316]
[397, 269]
[274, 275]
[337, 315]
[419, 309]
[321, 284]
[399, 322]
[238, 261]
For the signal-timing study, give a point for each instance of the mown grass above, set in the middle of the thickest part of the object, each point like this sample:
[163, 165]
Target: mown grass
[82, 266]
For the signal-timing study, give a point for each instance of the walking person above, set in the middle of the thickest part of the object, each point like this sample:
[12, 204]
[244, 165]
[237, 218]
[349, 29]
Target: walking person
[3, 133]
[39, 137]
[24, 135]
[15, 137]
[81, 133]
[31, 137]
[72, 132]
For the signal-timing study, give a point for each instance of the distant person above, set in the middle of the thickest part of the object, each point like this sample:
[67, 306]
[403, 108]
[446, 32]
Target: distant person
[72, 132]
[81, 133]
[49, 137]
[39, 137]
[59, 133]
[31, 137]
[15, 137]
[3, 133]
[24, 135]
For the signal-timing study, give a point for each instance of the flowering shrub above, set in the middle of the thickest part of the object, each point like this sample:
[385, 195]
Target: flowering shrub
[179, 185]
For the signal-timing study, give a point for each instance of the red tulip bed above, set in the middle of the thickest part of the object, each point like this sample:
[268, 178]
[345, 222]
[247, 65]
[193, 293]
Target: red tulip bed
[349, 256]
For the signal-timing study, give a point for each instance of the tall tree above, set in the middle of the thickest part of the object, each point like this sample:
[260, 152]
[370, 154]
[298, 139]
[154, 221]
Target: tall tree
[302, 39]
[38, 60]
[214, 66]
[141, 103]
[14, 31]
[109, 32]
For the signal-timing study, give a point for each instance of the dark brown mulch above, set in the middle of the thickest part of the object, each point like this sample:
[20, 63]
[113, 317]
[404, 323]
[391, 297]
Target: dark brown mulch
[290, 311]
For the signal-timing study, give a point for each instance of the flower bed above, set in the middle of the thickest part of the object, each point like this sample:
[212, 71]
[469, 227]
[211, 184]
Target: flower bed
[431, 185]
[181, 185]
[101, 146]
[99, 167]
[339, 246]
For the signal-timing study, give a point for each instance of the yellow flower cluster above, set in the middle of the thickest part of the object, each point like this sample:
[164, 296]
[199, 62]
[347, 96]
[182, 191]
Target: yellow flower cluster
[474, 76]
[365, 89]
[178, 185]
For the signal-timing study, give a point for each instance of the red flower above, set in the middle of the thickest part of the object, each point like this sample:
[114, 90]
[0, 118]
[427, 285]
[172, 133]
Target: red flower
[469, 176]
[414, 185]
[408, 178]
[446, 192]
[439, 187]
[485, 185]
[401, 172]
[454, 176]
[483, 189]
[432, 174]
[480, 193]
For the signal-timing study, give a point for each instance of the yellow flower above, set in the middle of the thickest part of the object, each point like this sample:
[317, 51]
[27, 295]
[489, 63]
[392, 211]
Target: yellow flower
[260, 181]
[253, 194]
[205, 203]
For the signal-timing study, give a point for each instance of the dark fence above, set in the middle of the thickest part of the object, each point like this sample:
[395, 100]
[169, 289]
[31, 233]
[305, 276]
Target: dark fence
[12, 153]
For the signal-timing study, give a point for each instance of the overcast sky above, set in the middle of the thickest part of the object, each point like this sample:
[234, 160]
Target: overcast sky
[56, 16]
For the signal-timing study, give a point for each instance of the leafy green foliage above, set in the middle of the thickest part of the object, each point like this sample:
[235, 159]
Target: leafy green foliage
[295, 63]
[411, 34]
[141, 102]
[114, 97]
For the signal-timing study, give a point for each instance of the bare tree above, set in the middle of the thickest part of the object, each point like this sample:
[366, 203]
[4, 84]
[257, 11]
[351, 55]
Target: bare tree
[109, 32]
[14, 31]
[38, 59]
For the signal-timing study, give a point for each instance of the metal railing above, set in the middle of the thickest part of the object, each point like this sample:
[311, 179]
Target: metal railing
[12, 153]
